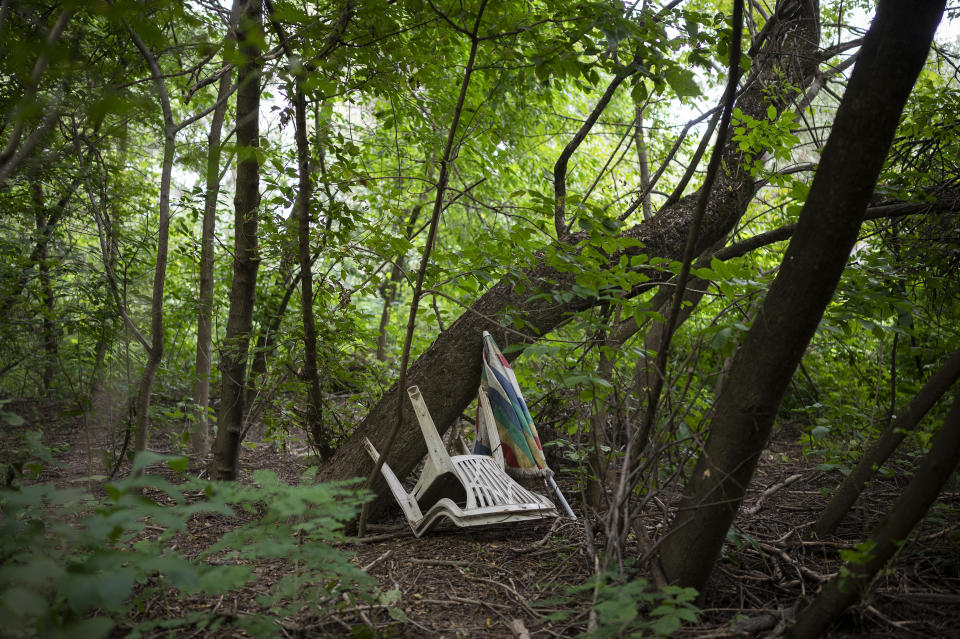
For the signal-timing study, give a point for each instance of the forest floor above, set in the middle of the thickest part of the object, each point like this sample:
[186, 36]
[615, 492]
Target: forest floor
[507, 581]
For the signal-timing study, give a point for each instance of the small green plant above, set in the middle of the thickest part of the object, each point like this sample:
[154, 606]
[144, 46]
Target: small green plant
[297, 525]
[75, 565]
[637, 609]
[759, 138]
[850, 573]
[633, 608]
[70, 562]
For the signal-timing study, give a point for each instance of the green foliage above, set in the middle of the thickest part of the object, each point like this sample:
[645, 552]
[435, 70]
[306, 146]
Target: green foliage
[74, 564]
[633, 608]
[762, 139]
[667, 610]
[854, 561]
[297, 524]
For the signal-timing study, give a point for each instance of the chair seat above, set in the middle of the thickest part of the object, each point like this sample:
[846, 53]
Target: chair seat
[491, 486]
[469, 490]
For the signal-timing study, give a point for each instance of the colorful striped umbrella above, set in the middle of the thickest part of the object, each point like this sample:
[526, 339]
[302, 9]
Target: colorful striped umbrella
[519, 441]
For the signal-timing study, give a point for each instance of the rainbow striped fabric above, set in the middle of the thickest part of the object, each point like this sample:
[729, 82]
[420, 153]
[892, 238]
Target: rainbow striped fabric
[518, 435]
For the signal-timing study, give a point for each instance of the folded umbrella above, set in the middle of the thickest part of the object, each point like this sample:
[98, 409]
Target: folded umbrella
[518, 438]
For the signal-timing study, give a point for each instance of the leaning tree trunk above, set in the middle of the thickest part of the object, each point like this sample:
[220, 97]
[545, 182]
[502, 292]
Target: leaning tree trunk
[246, 201]
[448, 372]
[200, 437]
[892, 56]
[888, 537]
[888, 442]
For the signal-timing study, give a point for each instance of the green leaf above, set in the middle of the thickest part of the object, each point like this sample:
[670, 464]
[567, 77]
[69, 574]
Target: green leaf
[144, 459]
[12, 419]
[113, 588]
[178, 464]
[682, 82]
[86, 628]
[771, 113]
[25, 602]
[666, 625]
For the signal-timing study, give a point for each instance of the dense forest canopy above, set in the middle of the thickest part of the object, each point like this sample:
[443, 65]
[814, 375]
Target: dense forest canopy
[229, 224]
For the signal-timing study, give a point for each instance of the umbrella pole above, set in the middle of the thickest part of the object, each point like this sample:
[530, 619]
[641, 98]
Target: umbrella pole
[563, 501]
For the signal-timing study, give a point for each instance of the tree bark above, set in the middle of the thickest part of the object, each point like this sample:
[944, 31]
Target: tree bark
[893, 54]
[887, 538]
[888, 442]
[446, 160]
[246, 202]
[48, 334]
[644, 163]
[200, 437]
[155, 350]
[448, 372]
[389, 289]
[314, 424]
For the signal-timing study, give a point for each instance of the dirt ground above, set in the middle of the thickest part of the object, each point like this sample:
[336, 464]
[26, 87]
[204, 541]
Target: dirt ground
[504, 581]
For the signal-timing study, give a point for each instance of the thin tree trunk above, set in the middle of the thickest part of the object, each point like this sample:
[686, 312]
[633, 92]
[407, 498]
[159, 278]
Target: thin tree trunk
[200, 437]
[893, 54]
[301, 210]
[888, 537]
[889, 440]
[644, 164]
[155, 350]
[233, 362]
[271, 317]
[48, 334]
[448, 372]
[446, 160]
[320, 439]
[44, 235]
[390, 288]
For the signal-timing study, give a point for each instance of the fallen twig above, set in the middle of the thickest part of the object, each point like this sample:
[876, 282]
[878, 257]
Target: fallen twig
[518, 629]
[511, 590]
[540, 542]
[377, 560]
[438, 562]
[369, 539]
[803, 570]
[755, 508]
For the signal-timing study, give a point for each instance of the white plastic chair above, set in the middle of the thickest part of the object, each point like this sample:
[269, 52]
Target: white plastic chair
[469, 490]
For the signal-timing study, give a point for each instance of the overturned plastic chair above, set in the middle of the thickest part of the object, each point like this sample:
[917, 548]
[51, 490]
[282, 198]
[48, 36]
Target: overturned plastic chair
[469, 490]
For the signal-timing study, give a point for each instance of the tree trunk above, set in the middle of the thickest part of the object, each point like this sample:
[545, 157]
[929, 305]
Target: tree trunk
[233, 361]
[48, 334]
[893, 54]
[389, 289]
[44, 235]
[155, 350]
[320, 439]
[644, 163]
[200, 437]
[888, 442]
[270, 319]
[448, 372]
[887, 538]
[301, 210]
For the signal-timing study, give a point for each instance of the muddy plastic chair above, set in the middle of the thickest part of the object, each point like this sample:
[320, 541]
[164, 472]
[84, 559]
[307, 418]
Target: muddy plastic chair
[469, 490]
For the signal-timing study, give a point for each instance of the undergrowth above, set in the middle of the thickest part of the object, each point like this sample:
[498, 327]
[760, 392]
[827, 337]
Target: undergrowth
[76, 564]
